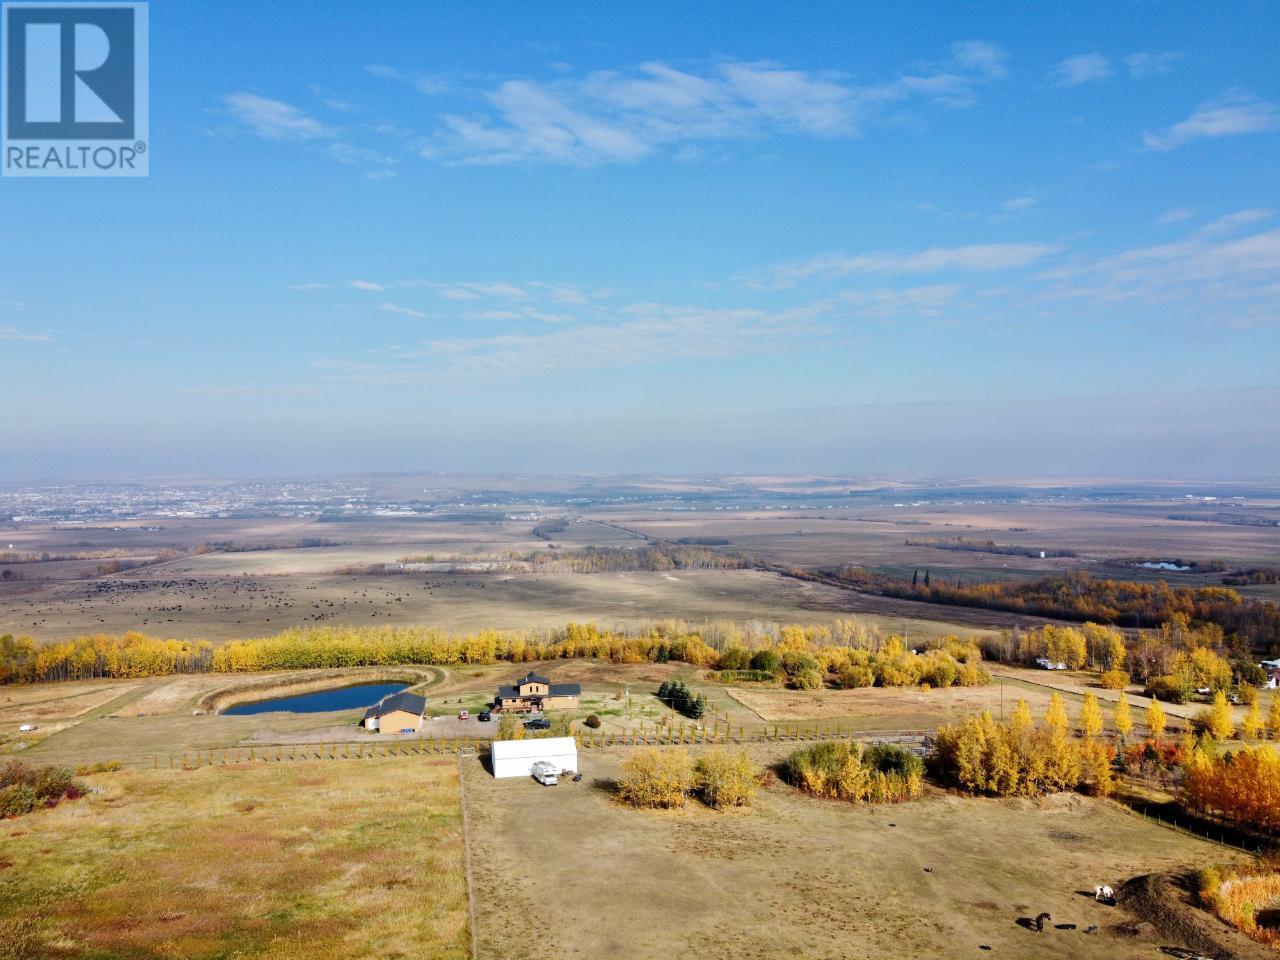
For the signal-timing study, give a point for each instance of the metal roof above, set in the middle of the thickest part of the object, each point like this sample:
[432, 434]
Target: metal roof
[533, 749]
[408, 702]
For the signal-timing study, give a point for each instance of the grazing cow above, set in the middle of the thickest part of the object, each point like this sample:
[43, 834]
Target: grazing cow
[1041, 921]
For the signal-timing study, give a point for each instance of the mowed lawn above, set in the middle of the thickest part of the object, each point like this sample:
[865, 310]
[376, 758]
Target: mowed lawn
[328, 859]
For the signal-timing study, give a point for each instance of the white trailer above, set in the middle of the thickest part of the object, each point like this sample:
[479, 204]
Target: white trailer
[544, 771]
[515, 758]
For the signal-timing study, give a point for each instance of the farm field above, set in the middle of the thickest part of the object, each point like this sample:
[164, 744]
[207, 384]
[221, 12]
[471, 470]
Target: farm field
[226, 608]
[253, 577]
[801, 877]
[284, 862]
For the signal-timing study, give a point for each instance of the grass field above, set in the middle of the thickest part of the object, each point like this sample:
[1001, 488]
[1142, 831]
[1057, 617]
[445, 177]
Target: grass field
[296, 860]
[231, 607]
[800, 877]
[238, 592]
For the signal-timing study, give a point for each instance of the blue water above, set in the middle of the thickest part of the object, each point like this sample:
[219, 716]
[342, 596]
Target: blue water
[355, 697]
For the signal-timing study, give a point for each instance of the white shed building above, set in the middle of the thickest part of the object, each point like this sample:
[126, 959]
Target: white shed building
[515, 758]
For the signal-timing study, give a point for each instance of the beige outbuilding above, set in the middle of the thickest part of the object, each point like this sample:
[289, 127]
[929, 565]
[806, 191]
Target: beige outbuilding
[398, 713]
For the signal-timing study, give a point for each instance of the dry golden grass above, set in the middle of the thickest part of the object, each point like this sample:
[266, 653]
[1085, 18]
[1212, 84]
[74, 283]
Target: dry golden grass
[794, 876]
[352, 860]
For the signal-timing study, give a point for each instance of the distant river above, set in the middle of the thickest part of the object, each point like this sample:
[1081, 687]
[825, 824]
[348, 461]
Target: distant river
[355, 697]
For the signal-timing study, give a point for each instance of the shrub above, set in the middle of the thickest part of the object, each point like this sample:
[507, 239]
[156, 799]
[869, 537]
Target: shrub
[104, 766]
[1238, 894]
[725, 778]
[17, 799]
[795, 662]
[1167, 688]
[1114, 680]
[748, 676]
[849, 771]
[657, 778]
[766, 661]
[807, 679]
[23, 788]
[855, 675]
[592, 721]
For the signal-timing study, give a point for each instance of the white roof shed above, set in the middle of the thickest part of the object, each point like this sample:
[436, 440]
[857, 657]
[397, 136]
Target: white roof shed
[515, 758]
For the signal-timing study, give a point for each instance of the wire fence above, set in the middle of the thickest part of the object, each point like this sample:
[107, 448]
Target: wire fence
[347, 750]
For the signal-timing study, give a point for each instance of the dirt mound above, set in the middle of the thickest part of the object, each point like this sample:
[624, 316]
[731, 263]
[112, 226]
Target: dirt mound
[1165, 901]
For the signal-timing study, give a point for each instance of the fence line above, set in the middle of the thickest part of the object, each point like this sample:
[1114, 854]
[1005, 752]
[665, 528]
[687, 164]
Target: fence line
[1172, 824]
[347, 750]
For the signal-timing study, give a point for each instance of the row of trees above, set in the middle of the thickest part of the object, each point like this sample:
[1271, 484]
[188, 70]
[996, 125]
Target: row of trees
[677, 695]
[848, 770]
[805, 666]
[1241, 787]
[1024, 758]
[667, 777]
[1077, 596]
[1174, 662]
[844, 653]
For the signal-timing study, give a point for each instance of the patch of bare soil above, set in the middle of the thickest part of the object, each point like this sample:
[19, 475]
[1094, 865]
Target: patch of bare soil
[1165, 901]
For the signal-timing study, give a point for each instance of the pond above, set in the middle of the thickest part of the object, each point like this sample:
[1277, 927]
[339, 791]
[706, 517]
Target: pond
[355, 697]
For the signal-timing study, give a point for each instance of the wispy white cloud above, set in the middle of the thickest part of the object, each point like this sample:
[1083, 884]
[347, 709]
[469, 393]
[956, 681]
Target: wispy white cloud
[1232, 115]
[1080, 69]
[621, 116]
[1228, 279]
[972, 258]
[367, 285]
[28, 336]
[1147, 64]
[361, 157]
[274, 119]
[1018, 204]
[929, 300]
[636, 335]
[1175, 215]
[403, 311]
[1091, 67]
[1234, 221]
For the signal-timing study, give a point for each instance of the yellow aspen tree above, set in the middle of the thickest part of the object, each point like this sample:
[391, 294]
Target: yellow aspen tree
[1090, 716]
[1156, 719]
[1273, 717]
[1253, 725]
[1218, 720]
[1056, 715]
[1122, 717]
[1021, 722]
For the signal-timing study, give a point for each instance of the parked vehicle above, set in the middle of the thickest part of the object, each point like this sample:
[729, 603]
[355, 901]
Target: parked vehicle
[27, 728]
[484, 716]
[544, 771]
[463, 715]
[539, 723]
[1044, 663]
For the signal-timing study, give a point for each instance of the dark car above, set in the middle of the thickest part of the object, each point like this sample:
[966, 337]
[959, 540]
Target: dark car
[537, 724]
[485, 716]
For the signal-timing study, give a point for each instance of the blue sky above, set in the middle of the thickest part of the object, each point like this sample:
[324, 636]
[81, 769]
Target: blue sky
[875, 239]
